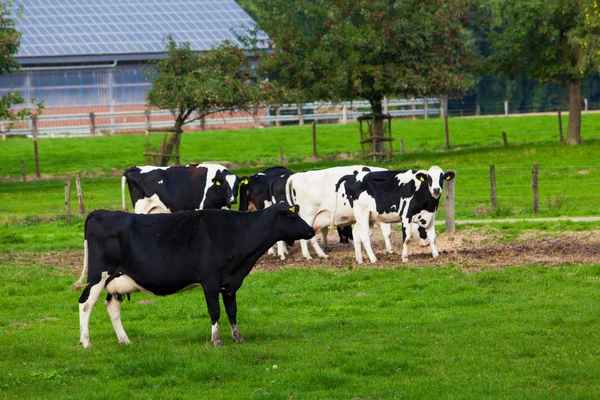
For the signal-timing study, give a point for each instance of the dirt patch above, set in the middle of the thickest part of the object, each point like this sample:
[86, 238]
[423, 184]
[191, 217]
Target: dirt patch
[471, 250]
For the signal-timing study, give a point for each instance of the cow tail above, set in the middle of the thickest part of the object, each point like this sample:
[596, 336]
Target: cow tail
[288, 191]
[123, 182]
[339, 183]
[79, 284]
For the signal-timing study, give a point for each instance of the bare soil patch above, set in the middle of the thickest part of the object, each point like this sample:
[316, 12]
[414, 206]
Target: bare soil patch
[471, 250]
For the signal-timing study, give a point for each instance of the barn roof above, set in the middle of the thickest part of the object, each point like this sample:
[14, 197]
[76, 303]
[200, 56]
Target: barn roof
[67, 31]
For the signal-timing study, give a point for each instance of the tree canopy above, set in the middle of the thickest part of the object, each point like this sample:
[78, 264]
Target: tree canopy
[549, 40]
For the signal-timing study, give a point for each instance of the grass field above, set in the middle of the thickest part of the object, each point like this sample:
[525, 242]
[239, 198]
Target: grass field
[350, 332]
[362, 333]
[568, 183]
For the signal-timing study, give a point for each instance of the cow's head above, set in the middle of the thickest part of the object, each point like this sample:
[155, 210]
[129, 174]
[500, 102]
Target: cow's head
[233, 182]
[434, 178]
[218, 195]
[289, 224]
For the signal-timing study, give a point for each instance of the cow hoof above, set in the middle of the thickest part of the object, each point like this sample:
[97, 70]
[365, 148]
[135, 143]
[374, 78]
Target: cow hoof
[404, 259]
[435, 255]
[124, 342]
[308, 258]
[218, 343]
[87, 345]
[238, 339]
[373, 261]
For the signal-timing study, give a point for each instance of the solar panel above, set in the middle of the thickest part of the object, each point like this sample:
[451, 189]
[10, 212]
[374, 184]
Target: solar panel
[76, 28]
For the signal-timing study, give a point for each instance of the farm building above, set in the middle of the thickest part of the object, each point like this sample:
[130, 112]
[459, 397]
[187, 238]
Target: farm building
[80, 57]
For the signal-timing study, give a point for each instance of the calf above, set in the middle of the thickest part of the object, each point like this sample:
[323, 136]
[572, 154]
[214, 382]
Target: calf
[170, 189]
[320, 204]
[164, 254]
[254, 189]
[395, 196]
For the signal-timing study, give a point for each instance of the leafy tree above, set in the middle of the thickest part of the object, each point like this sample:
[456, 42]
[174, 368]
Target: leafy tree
[193, 86]
[546, 40]
[10, 40]
[343, 50]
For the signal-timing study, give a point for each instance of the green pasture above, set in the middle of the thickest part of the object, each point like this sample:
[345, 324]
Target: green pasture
[568, 183]
[522, 332]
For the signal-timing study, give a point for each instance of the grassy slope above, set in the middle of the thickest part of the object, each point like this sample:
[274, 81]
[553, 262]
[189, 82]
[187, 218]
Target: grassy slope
[413, 333]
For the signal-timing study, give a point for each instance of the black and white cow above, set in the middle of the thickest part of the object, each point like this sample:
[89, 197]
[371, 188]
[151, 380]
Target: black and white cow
[409, 197]
[164, 254]
[170, 189]
[254, 189]
[320, 204]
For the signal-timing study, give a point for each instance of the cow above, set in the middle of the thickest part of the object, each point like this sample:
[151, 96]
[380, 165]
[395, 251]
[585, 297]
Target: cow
[163, 254]
[320, 204]
[170, 189]
[254, 189]
[406, 196]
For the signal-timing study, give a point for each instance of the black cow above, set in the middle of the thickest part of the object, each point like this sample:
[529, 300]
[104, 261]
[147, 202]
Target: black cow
[254, 189]
[170, 189]
[164, 254]
[409, 197]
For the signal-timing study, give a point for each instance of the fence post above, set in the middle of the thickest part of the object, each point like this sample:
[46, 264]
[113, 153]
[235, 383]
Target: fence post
[278, 114]
[80, 196]
[560, 131]
[401, 146]
[344, 114]
[300, 115]
[445, 107]
[92, 124]
[505, 107]
[34, 133]
[585, 105]
[413, 107]
[534, 173]
[314, 139]
[23, 176]
[68, 203]
[449, 206]
[504, 138]
[281, 156]
[426, 106]
[147, 120]
[255, 118]
[477, 110]
[493, 184]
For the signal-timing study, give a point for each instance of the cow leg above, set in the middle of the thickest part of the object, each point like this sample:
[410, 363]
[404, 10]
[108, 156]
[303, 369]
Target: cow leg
[362, 216]
[315, 244]
[324, 232]
[113, 306]
[271, 252]
[87, 300]
[231, 309]
[304, 247]
[281, 249]
[214, 311]
[386, 231]
[431, 236]
[406, 235]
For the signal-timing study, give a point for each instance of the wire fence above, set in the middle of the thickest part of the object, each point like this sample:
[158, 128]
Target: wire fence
[570, 190]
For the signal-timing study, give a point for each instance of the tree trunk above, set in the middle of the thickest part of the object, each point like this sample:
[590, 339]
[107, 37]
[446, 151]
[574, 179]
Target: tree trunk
[574, 128]
[173, 141]
[377, 107]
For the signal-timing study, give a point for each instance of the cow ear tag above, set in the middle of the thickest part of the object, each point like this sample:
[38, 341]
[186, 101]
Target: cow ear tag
[449, 177]
[422, 179]
[217, 183]
[292, 209]
[245, 182]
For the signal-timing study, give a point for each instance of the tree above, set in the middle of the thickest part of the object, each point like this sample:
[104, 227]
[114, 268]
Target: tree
[219, 80]
[343, 50]
[10, 40]
[546, 40]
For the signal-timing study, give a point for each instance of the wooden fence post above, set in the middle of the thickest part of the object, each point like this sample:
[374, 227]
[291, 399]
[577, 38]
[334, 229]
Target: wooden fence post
[80, 196]
[445, 107]
[505, 107]
[314, 139]
[344, 114]
[413, 107]
[560, 131]
[426, 106]
[401, 146]
[585, 105]
[300, 115]
[449, 206]
[147, 120]
[504, 138]
[493, 184]
[68, 203]
[255, 118]
[92, 124]
[34, 133]
[534, 173]
[281, 156]
[23, 176]
[278, 114]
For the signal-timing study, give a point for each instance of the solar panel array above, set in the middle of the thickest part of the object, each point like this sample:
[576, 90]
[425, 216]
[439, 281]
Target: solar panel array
[79, 28]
